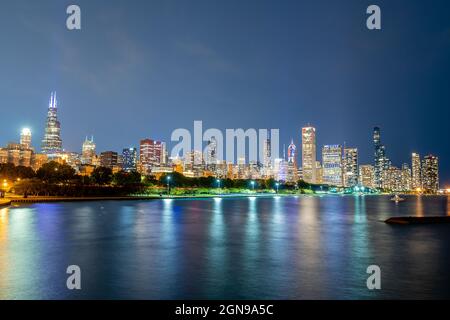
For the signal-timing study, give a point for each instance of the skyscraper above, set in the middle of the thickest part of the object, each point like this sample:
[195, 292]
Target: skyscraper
[350, 167]
[267, 158]
[366, 176]
[332, 165]
[292, 172]
[381, 162]
[406, 178]
[309, 154]
[416, 171]
[88, 151]
[25, 138]
[108, 159]
[211, 154]
[52, 143]
[430, 174]
[129, 159]
[292, 153]
[151, 154]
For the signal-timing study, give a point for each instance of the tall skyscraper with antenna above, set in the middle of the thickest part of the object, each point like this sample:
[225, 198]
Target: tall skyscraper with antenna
[52, 143]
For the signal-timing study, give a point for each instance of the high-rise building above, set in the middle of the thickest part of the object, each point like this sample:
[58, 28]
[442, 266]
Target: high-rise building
[129, 159]
[280, 168]
[350, 167]
[416, 171]
[18, 155]
[108, 159]
[309, 154]
[267, 168]
[292, 170]
[151, 153]
[332, 165]
[211, 154]
[319, 173]
[406, 178]
[430, 174]
[392, 179]
[88, 151]
[25, 138]
[52, 143]
[381, 162]
[366, 176]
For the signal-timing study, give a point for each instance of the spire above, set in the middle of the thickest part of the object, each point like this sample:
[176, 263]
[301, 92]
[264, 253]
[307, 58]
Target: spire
[55, 102]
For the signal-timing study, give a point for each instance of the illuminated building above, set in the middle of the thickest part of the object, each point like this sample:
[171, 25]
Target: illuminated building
[16, 154]
[129, 159]
[152, 154]
[392, 179]
[72, 159]
[416, 171]
[350, 167]
[3, 155]
[406, 178]
[309, 154]
[332, 165]
[381, 162]
[52, 143]
[221, 169]
[193, 163]
[280, 169]
[211, 154]
[25, 138]
[267, 163]
[292, 153]
[319, 173]
[108, 159]
[88, 151]
[292, 171]
[430, 174]
[366, 176]
[38, 160]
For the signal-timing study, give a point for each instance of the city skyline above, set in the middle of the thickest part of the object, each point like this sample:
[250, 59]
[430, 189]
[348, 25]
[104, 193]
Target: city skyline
[338, 166]
[150, 76]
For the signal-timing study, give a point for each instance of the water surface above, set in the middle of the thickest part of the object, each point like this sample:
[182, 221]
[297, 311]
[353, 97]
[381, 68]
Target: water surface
[307, 247]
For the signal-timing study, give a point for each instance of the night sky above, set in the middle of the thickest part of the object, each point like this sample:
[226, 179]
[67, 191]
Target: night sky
[141, 69]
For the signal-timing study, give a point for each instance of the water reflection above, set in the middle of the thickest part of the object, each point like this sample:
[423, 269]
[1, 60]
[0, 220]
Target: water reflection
[247, 248]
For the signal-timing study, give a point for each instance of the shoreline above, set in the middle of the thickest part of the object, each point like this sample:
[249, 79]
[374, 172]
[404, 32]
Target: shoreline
[31, 200]
[8, 201]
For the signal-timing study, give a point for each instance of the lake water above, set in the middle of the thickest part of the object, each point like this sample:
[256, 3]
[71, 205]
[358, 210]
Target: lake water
[306, 247]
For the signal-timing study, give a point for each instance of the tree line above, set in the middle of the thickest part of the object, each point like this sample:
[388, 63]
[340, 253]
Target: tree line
[56, 179]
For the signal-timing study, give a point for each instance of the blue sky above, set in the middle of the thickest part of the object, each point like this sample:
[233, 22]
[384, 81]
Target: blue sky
[141, 69]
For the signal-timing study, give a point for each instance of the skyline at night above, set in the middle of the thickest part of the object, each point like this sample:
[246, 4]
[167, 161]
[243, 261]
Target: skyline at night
[226, 158]
[160, 69]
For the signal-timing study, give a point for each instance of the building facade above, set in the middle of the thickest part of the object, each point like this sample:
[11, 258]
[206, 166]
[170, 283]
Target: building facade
[332, 165]
[350, 167]
[430, 174]
[52, 143]
[309, 154]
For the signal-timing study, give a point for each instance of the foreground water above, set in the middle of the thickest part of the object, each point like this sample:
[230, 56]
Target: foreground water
[245, 248]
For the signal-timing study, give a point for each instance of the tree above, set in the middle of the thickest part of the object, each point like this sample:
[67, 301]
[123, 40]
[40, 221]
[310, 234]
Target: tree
[122, 178]
[10, 172]
[102, 175]
[54, 172]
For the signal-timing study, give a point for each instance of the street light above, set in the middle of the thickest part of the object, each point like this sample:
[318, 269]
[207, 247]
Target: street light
[277, 185]
[168, 184]
[253, 185]
[218, 183]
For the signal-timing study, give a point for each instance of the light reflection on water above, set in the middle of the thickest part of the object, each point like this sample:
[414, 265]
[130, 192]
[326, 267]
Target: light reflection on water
[253, 248]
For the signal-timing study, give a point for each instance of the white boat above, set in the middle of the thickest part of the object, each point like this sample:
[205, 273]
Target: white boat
[397, 198]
